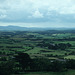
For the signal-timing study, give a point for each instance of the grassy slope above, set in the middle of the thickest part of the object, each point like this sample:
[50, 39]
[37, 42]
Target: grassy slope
[70, 72]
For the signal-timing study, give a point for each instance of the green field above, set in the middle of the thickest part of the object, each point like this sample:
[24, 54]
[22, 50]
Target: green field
[70, 57]
[70, 72]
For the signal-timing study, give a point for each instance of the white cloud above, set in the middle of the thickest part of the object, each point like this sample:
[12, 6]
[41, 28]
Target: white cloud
[68, 10]
[28, 5]
[36, 14]
[3, 16]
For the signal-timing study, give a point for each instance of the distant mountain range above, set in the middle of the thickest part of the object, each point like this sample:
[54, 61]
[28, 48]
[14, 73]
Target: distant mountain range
[18, 28]
[10, 28]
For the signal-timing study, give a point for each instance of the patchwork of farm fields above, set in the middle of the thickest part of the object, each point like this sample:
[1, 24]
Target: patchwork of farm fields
[48, 43]
[38, 52]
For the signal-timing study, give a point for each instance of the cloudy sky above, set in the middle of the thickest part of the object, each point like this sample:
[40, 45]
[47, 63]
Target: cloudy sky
[37, 13]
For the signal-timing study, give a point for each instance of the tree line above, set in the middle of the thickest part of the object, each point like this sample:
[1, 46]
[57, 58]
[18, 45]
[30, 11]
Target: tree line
[61, 46]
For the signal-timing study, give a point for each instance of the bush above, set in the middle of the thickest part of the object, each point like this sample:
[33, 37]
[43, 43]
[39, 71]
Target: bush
[6, 68]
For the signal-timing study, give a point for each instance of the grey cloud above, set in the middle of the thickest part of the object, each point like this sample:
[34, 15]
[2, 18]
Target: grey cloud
[35, 11]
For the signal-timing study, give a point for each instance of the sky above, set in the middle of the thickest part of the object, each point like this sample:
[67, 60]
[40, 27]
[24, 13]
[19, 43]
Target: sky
[37, 13]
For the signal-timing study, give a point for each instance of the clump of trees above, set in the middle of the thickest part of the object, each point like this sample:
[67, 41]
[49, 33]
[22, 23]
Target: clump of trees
[23, 63]
[70, 64]
[24, 60]
[6, 68]
[43, 64]
[61, 46]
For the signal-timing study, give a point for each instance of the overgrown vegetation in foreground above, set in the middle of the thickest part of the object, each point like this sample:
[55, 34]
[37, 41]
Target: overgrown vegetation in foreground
[23, 63]
[24, 51]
